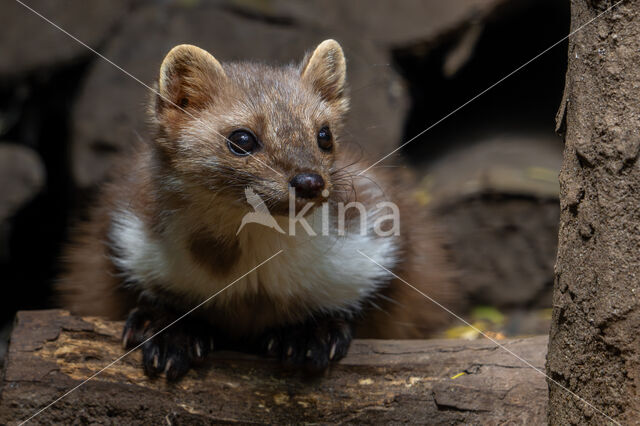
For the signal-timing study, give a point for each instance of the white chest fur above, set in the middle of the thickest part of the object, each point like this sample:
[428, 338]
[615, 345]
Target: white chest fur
[323, 272]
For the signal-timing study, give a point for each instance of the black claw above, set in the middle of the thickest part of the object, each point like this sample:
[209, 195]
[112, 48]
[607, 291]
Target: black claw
[339, 342]
[153, 357]
[135, 328]
[178, 363]
[200, 349]
[272, 345]
[174, 350]
[317, 357]
[312, 345]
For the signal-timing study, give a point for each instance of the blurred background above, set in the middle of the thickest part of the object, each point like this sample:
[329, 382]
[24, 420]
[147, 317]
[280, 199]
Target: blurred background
[489, 171]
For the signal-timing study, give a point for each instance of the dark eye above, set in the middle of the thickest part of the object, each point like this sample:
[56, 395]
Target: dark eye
[325, 141]
[242, 142]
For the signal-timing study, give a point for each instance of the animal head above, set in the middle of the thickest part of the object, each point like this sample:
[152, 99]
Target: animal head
[225, 127]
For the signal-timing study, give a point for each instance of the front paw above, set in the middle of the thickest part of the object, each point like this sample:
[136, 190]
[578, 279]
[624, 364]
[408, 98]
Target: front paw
[166, 347]
[313, 344]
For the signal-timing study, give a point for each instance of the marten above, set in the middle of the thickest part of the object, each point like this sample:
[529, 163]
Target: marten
[168, 230]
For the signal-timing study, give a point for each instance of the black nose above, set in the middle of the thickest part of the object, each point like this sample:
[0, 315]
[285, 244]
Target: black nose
[307, 185]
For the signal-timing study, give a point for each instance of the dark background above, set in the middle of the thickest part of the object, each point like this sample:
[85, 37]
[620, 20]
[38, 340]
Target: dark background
[489, 171]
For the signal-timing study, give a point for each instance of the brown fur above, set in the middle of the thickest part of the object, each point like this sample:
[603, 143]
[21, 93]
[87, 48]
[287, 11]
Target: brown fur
[188, 169]
[404, 313]
[212, 252]
[90, 283]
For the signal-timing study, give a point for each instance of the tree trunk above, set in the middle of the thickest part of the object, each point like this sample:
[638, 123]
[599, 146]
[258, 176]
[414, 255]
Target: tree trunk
[380, 381]
[594, 347]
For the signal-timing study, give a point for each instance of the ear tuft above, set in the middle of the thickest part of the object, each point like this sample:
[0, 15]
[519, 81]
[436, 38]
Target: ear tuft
[326, 70]
[189, 77]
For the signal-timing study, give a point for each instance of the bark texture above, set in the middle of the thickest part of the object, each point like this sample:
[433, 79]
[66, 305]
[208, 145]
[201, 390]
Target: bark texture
[594, 347]
[380, 382]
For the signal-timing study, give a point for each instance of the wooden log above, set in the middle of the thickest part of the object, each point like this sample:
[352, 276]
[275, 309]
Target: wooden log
[378, 382]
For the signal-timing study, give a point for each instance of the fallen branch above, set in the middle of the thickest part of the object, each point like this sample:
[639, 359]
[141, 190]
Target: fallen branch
[378, 382]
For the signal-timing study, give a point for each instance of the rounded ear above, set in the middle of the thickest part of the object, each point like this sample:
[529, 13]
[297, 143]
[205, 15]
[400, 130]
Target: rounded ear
[189, 77]
[326, 70]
